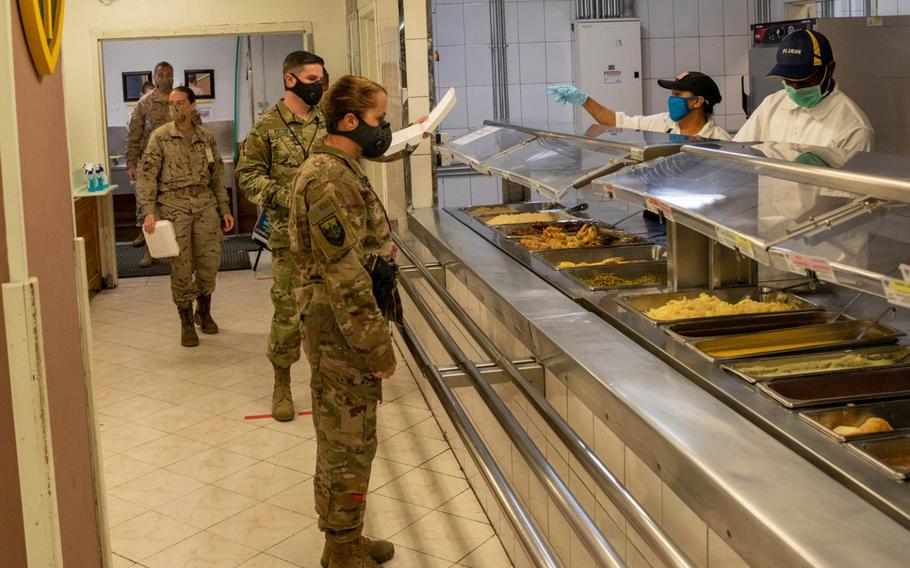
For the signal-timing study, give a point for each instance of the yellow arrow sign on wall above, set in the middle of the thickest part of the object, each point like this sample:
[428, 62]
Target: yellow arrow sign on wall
[42, 21]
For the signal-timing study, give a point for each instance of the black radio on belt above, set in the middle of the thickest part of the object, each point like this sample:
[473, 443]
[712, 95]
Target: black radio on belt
[384, 274]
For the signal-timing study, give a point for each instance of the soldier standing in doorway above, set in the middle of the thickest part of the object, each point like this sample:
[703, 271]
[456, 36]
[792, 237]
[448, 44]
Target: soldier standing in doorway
[151, 112]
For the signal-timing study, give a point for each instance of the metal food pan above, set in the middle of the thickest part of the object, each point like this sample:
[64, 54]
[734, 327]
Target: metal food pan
[755, 370]
[737, 325]
[558, 215]
[658, 268]
[644, 302]
[839, 335]
[896, 412]
[639, 240]
[527, 207]
[851, 386]
[628, 252]
[570, 225]
[883, 452]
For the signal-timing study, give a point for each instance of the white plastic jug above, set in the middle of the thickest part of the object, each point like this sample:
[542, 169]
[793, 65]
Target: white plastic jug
[163, 242]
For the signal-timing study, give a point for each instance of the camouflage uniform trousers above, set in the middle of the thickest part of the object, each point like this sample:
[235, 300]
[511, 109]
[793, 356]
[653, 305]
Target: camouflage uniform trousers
[345, 400]
[284, 335]
[198, 228]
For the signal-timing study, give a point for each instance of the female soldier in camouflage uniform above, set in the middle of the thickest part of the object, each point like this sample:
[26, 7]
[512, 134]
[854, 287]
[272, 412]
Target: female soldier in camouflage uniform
[337, 222]
[180, 181]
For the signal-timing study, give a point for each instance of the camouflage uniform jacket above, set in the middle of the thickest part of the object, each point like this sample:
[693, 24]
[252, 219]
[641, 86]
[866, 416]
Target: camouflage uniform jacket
[149, 114]
[337, 222]
[171, 162]
[275, 148]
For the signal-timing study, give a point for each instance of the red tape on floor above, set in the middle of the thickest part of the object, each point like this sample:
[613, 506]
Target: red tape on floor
[261, 416]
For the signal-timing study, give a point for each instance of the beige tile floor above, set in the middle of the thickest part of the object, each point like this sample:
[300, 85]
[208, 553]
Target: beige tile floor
[191, 483]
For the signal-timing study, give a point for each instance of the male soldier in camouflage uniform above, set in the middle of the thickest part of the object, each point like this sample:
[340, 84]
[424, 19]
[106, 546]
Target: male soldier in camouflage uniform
[277, 145]
[151, 112]
[337, 222]
[180, 181]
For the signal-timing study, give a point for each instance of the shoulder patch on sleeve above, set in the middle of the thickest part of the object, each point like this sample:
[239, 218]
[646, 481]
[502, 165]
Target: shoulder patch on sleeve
[330, 230]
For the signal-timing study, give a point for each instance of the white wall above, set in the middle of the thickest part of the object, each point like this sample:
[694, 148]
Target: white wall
[183, 53]
[87, 21]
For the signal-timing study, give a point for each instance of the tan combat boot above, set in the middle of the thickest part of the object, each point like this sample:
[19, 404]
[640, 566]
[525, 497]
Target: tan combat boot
[380, 550]
[203, 315]
[349, 554]
[282, 403]
[147, 259]
[188, 337]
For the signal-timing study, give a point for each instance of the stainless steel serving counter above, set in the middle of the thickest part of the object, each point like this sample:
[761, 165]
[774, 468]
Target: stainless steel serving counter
[777, 500]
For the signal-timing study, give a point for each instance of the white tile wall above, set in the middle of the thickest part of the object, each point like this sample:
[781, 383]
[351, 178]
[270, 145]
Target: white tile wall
[455, 191]
[510, 13]
[903, 7]
[663, 57]
[660, 18]
[711, 56]
[476, 23]
[711, 17]
[450, 69]
[559, 62]
[533, 62]
[736, 56]
[736, 17]
[531, 24]
[480, 104]
[478, 66]
[557, 20]
[452, 33]
[684, 527]
[534, 102]
[687, 55]
[685, 15]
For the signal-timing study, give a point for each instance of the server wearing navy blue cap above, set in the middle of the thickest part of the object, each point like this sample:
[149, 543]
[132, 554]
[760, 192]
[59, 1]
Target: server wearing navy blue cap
[811, 109]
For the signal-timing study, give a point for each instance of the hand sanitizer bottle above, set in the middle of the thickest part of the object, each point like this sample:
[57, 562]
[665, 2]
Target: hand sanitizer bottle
[102, 182]
[90, 175]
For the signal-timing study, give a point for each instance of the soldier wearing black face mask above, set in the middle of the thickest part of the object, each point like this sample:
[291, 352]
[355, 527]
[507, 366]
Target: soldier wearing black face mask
[279, 142]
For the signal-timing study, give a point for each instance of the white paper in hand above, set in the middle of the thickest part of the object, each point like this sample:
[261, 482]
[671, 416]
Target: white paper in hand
[163, 242]
[412, 135]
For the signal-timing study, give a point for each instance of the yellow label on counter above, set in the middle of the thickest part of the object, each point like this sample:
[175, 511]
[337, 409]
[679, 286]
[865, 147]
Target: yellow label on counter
[897, 291]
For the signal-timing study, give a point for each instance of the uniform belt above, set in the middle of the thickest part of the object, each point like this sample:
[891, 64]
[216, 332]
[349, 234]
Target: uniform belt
[190, 190]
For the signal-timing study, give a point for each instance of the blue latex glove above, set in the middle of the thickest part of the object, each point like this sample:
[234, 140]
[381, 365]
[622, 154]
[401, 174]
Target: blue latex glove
[567, 94]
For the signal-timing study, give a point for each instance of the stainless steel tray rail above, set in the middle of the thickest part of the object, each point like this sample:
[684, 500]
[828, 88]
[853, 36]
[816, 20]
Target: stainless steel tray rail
[582, 524]
[631, 509]
[534, 542]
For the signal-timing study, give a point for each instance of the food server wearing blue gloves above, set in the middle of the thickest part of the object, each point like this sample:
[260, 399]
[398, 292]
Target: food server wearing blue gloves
[811, 110]
[689, 107]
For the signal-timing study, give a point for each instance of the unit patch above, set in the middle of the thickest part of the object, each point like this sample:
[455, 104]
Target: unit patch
[333, 231]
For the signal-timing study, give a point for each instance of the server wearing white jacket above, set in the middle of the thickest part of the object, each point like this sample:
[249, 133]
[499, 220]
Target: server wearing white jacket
[811, 109]
[689, 107]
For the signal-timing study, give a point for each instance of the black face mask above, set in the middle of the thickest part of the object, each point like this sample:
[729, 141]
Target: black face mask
[310, 93]
[374, 140]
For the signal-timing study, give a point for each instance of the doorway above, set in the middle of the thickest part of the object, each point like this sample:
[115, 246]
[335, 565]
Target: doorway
[236, 78]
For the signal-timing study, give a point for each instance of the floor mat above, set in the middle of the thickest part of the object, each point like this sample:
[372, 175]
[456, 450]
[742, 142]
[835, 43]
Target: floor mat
[233, 257]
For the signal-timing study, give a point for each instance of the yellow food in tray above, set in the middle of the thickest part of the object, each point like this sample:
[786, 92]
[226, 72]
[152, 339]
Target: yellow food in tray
[843, 362]
[513, 218]
[604, 262]
[869, 426]
[556, 238]
[705, 306]
[491, 210]
[746, 351]
[610, 280]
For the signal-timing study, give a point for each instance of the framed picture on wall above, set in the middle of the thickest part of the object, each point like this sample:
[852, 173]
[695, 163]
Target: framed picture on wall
[132, 84]
[201, 81]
